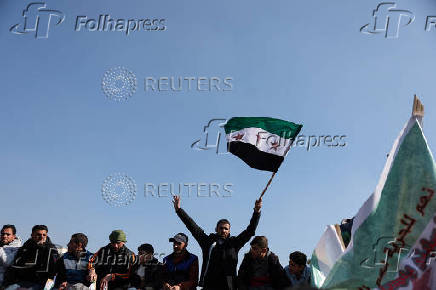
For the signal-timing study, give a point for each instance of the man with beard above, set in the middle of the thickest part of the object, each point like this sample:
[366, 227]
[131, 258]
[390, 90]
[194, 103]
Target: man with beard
[220, 249]
[111, 265]
[9, 244]
[35, 261]
[180, 267]
[260, 269]
[72, 267]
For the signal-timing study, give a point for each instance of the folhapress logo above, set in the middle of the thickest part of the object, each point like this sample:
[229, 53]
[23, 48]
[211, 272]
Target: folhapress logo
[37, 20]
[388, 20]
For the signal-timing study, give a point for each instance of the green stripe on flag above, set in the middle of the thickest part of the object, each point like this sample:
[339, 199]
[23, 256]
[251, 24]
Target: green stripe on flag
[285, 129]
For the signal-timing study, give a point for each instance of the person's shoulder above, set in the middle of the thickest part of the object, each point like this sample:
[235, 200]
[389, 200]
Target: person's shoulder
[29, 244]
[247, 256]
[128, 251]
[16, 243]
[193, 256]
[272, 254]
[102, 249]
[166, 258]
[273, 257]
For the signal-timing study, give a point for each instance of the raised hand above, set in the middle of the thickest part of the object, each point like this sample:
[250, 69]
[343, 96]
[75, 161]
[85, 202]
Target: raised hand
[258, 205]
[176, 202]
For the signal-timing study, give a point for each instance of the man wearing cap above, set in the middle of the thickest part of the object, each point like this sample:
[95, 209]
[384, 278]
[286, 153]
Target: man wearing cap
[260, 269]
[219, 249]
[111, 265]
[180, 267]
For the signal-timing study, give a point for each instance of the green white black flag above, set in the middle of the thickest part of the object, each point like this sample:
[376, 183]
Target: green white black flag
[261, 142]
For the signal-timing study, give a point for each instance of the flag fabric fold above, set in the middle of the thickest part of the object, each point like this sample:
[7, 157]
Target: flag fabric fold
[328, 250]
[261, 142]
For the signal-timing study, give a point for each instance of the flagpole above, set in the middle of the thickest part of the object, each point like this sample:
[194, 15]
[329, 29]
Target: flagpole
[266, 187]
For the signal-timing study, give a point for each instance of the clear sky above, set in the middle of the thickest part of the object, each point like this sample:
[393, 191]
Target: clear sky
[302, 61]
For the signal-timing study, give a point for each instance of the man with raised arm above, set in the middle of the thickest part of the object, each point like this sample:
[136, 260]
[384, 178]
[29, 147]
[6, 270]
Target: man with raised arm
[219, 249]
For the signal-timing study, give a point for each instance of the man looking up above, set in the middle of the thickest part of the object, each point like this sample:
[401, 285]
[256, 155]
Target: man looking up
[219, 249]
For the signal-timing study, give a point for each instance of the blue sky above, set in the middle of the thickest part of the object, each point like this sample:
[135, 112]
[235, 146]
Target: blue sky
[302, 61]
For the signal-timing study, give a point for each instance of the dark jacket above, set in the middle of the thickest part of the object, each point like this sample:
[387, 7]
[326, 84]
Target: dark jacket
[218, 270]
[33, 263]
[275, 276]
[119, 264]
[72, 270]
[152, 275]
[181, 270]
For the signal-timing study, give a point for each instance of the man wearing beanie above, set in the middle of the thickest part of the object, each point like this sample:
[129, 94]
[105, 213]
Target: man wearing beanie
[111, 265]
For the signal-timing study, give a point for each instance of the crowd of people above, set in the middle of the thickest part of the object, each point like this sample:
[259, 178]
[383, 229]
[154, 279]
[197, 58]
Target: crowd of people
[114, 266]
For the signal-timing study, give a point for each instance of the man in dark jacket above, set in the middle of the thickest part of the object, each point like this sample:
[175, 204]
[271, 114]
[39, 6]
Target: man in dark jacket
[35, 261]
[260, 269]
[111, 265]
[220, 250]
[147, 273]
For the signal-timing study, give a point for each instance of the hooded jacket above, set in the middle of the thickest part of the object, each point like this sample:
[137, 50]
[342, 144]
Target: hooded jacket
[220, 256]
[7, 255]
[33, 263]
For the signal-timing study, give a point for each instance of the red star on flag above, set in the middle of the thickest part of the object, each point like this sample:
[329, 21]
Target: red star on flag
[238, 137]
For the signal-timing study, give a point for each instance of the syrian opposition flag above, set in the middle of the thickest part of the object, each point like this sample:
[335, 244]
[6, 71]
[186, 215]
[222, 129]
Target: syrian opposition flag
[261, 142]
[391, 221]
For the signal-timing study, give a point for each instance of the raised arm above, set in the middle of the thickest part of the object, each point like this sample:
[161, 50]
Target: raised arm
[250, 231]
[195, 230]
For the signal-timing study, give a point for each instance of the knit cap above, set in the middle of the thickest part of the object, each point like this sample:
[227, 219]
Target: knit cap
[117, 236]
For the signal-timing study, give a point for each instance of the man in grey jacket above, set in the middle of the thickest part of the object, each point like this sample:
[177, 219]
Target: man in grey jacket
[9, 244]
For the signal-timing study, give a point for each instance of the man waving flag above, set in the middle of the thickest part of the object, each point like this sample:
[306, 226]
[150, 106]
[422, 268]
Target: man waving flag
[261, 142]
